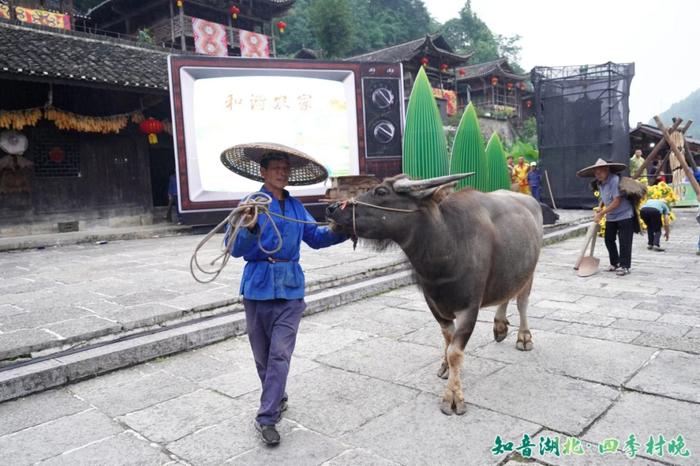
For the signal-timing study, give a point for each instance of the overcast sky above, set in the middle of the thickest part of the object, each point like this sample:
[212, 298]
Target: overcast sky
[653, 34]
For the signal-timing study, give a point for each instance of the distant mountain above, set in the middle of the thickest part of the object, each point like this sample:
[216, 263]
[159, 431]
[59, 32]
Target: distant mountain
[688, 109]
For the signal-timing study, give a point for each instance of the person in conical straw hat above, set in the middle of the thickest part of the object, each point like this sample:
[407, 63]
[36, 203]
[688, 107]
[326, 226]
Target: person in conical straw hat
[273, 285]
[619, 212]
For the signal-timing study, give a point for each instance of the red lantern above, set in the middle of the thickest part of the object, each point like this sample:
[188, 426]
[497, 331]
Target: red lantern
[179, 3]
[281, 25]
[494, 80]
[462, 72]
[234, 10]
[152, 127]
[509, 86]
[522, 85]
[424, 61]
[443, 67]
[528, 103]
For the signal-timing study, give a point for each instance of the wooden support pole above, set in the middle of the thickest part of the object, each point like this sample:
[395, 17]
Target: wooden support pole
[655, 151]
[681, 159]
[549, 187]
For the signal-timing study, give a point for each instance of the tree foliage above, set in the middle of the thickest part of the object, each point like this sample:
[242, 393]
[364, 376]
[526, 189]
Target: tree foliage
[332, 24]
[688, 109]
[468, 33]
[375, 24]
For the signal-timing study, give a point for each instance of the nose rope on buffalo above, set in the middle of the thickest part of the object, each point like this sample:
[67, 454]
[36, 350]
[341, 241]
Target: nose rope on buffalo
[257, 203]
[353, 202]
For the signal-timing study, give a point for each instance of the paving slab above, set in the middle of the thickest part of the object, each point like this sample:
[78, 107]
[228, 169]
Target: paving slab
[27, 412]
[49, 439]
[417, 433]
[215, 444]
[671, 373]
[382, 358]
[644, 416]
[357, 456]
[175, 418]
[557, 402]
[602, 361]
[302, 447]
[142, 392]
[340, 402]
[118, 450]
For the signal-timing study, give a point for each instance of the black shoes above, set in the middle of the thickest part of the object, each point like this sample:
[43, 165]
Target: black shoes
[268, 433]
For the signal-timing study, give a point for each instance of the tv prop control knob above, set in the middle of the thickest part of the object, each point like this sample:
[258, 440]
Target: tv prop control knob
[382, 97]
[384, 131]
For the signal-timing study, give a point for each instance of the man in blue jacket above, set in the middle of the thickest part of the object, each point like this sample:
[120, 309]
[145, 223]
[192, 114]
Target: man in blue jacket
[273, 287]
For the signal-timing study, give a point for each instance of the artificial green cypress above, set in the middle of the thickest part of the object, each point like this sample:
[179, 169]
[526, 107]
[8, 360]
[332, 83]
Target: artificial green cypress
[499, 177]
[468, 154]
[424, 144]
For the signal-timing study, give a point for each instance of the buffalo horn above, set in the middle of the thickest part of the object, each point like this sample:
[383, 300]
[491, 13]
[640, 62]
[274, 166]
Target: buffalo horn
[404, 184]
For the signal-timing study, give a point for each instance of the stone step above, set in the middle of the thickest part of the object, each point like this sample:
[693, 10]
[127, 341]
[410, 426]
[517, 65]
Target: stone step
[70, 366]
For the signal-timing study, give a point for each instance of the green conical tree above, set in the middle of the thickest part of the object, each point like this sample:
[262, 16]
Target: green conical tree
[498, 168]
[468, 154]
[424, 142]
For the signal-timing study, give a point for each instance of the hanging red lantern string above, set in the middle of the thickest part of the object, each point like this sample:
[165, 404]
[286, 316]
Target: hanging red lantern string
[509, 86]
[152, 127]
[234, 10]
[281, 25]
[462, 72]
[424, 61]
[443, 67]
[494, 80]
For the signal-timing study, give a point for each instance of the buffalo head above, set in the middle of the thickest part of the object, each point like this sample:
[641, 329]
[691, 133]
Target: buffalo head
[385, 212]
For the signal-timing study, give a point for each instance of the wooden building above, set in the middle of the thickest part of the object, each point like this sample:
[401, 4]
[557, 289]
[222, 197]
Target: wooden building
[495, 88]
[79, 88]
[169, 23]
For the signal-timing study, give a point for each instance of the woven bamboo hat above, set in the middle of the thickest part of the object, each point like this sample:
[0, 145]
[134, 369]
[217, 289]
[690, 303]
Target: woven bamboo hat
[589, 171]
[244, 160]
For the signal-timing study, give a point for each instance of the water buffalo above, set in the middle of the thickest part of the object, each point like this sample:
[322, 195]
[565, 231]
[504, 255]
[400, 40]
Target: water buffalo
[469, 250]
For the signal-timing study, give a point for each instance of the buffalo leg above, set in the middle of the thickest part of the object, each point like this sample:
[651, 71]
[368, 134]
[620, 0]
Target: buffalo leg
[448, 329]
[453, 397]
[524, 342]
[500, 323]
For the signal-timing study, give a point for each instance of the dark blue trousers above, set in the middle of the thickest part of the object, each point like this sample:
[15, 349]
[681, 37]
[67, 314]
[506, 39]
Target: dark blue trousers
[535, 190]
[272, 331]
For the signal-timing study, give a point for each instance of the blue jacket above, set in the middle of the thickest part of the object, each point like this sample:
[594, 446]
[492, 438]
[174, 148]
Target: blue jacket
[265, 280]
[533, 178]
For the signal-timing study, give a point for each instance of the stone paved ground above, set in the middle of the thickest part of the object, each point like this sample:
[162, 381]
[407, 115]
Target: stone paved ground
[613, 357]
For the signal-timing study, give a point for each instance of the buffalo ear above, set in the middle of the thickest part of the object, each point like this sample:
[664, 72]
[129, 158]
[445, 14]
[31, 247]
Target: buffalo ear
[443, 191]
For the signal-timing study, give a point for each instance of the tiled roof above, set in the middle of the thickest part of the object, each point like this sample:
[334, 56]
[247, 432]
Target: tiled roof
[656, 133]
[408, 50]
[500, 67]
[51, 54]
[266, 9]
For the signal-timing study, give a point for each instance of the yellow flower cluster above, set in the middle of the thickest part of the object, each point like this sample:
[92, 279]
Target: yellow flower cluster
[18, 119]
[662, 191]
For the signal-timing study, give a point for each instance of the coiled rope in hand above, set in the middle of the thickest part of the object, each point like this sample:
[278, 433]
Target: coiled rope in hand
[254, 204]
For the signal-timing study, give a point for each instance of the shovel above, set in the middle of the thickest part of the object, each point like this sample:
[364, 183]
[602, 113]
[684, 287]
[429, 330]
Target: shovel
[588, 265]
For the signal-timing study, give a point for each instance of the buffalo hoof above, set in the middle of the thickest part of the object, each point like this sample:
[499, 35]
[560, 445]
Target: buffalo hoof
[444, 370]
[460, 407]
[524, 342]
[446, 407]
[500, 329]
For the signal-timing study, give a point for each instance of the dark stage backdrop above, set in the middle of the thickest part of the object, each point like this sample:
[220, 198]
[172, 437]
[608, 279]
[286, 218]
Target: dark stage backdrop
[582, 114]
